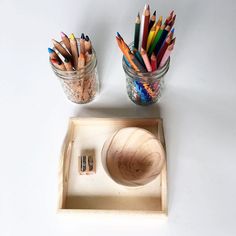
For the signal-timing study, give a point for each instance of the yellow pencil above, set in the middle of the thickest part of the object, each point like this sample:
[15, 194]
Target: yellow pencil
[151, 36]
[74, 50]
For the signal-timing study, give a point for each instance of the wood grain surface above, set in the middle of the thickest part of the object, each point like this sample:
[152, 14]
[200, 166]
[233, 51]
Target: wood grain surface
[134, 156]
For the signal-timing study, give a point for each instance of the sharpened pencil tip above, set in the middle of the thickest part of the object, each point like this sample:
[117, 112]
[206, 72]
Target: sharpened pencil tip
[63, 34]
[146, 7]
[155, 12]
[82, 36]
[118, 35]
[54, 61]
[87, 38]
[72, 36]
[50, 50]
[173, 30]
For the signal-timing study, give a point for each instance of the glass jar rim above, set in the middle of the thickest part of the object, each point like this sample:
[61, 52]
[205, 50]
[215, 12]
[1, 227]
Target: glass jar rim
[157, 73]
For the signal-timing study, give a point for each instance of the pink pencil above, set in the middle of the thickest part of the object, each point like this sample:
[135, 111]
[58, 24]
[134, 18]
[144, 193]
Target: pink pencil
[146, 60]
[166, 55]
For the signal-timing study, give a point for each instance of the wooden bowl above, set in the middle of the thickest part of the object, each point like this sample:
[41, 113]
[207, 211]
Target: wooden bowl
[134, 156]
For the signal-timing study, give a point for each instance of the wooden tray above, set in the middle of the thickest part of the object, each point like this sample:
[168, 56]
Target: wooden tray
[98, 192]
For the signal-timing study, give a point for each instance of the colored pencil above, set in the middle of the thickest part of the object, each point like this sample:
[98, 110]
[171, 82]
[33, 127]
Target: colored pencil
[151, 36]
[66, 41]
[145, 22]
[162, 39]
[88, 45]
[164, 47]
[68, 64]
[137, 31]
[146, 60]
[166, 55]
[152, 21]
[126, 53]
[158, 26]
[138, 64]
[156, 40]
[81, 61]
[53, 55]
[153, 62]
[171, 23]
[59, 65]
[152, 41]
[138, 56]
[153, 44]
[131, 58]
[168, 19]
[82, 43]
[74, 50]
[61, 49]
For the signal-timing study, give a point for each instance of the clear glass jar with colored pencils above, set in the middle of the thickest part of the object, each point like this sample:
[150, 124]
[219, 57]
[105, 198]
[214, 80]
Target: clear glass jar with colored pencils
[81, 85]
[144, 88]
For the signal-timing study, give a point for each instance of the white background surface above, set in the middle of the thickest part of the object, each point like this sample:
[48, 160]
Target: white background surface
[198, 108]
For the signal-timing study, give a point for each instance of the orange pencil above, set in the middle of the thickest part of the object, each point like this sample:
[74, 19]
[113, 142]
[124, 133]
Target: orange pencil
[126, 53]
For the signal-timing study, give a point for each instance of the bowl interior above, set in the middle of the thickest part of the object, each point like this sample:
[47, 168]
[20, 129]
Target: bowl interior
[133, 156]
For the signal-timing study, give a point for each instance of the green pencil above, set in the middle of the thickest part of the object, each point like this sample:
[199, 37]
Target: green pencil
[156, 40]
[137, 31]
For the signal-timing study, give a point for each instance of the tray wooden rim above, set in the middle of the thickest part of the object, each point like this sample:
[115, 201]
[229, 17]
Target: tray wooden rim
[64, 165]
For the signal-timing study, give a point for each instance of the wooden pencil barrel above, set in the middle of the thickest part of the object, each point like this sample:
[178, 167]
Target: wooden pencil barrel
[134, 156]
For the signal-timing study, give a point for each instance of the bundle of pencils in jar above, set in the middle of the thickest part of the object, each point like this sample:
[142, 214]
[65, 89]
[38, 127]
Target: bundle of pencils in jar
[74, 62]
[146, 61]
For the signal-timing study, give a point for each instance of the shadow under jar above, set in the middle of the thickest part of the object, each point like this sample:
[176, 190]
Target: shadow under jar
[144, 88]
[82, 85]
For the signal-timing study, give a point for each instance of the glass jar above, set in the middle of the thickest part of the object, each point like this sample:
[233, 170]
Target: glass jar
[82, 85]
[144, 88]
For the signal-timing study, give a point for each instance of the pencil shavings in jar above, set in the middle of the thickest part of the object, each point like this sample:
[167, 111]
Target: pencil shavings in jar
[74, 62]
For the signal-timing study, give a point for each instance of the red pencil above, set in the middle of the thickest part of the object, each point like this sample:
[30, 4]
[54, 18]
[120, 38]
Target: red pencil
[153, 62]
[171, 23]
[59, 65]
[146, 18]
[167, 54]
[165, 45]
[168, 19]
